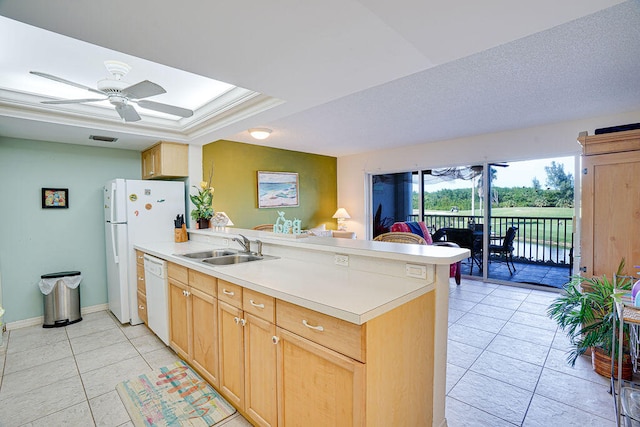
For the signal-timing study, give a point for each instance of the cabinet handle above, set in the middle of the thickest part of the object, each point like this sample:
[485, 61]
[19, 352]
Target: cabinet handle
[187, 293]
[316, 328]
[141, 279]
[256, 305]
[275, 339]
[141, 307]
[184, 293]
[236, 319]
[140, 257]
[226, 292]
[243, 322]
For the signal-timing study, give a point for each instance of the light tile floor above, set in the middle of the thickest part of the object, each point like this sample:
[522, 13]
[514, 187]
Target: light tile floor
[506, 363]
[67, 376]
[506, 367]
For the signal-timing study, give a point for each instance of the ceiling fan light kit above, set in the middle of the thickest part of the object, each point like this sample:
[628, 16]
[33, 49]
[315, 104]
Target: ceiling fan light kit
[120, 93]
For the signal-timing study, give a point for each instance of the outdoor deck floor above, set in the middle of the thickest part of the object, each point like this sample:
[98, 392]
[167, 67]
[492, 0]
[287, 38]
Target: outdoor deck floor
[537, 274]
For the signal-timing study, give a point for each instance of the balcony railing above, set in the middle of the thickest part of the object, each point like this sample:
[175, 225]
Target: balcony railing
[539, 240]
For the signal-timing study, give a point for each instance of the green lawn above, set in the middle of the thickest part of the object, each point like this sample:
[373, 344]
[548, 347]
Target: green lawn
[519, 211]
[532, 230]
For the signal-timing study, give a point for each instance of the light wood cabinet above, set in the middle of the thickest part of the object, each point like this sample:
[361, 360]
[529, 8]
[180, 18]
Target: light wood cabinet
[165, 160]
[231, 350]
[179, 314]
[142, 289]
[393, 387]
[142, 307]
[610, 202]
[318, 386]
[204, 325]
[284, 365]
[260, 358]
[248, 352]
[193, 313]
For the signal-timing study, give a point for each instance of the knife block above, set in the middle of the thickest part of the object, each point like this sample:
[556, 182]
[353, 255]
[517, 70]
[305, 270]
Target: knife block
[181, 234]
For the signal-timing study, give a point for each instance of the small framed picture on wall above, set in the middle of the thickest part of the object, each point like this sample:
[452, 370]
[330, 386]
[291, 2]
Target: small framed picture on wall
[55, 198]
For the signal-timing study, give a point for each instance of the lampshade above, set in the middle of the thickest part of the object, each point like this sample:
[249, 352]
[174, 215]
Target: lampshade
[260, 133]
[341, 213]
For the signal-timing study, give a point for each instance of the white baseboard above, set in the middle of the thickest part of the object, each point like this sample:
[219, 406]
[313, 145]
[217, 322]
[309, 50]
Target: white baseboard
[40, 319]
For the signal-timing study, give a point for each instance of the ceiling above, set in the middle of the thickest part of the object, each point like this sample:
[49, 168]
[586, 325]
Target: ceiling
[336, 77]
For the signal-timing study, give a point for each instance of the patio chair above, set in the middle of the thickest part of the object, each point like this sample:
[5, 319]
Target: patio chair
[400, 237]
[506, 248]
[464, 238]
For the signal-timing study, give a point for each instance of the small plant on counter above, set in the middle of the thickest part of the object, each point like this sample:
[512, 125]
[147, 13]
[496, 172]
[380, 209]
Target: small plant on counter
[203, 201]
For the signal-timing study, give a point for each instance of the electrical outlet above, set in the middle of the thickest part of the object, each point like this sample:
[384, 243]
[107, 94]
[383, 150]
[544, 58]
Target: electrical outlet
[225, 242]
[342, 260]
[416, 271]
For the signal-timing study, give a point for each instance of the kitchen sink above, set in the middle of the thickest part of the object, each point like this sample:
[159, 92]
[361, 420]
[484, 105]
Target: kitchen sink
[209, 254]
[236, 259]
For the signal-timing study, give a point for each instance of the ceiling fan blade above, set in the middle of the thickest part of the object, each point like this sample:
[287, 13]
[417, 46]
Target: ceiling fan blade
[143, 89]
[67, 82]
[128, 113]
[165, 108]
[73, 101]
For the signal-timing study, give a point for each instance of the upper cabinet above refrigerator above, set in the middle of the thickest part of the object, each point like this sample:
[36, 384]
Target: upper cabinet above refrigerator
[165, 160]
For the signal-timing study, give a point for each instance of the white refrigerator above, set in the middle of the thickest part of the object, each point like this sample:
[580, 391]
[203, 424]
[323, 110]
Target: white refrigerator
[135, 211]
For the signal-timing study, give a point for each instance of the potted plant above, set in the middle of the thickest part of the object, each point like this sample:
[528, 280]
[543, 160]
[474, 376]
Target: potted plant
[586, 314]
[203, 201]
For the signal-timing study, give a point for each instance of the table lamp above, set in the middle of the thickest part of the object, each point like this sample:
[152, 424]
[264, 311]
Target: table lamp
[341, 214]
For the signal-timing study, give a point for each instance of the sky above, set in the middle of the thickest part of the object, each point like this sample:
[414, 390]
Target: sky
[517, 174]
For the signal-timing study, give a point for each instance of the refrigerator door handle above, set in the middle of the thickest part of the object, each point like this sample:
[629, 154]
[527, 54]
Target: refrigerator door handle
[113, 243]
[113, 207]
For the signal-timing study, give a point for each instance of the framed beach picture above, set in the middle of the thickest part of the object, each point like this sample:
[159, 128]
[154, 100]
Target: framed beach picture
[277, 189]
[55, 198]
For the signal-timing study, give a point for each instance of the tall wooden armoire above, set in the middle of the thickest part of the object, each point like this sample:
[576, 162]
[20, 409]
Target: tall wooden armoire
[610, 202]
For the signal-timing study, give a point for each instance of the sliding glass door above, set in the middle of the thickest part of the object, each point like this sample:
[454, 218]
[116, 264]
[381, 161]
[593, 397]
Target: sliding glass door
[517, 224]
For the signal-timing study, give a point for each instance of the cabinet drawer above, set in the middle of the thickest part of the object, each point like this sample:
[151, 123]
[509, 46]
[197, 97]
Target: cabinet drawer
[142, 307]
[139, 257]
[178, 272]
[230, 293]
[339, 335]
[259, 305]
[203, 282]
[140, 279]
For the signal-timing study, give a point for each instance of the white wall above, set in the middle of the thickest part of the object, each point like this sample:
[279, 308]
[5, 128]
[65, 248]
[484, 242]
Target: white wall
[521, 144]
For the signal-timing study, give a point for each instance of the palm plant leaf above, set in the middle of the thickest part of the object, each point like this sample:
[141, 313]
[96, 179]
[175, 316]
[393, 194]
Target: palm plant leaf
[587, 316]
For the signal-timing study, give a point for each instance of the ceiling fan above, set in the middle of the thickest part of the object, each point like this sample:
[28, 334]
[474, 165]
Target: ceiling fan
[120, 93]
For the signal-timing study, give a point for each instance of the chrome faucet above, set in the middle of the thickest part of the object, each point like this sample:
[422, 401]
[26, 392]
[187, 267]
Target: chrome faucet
[245, 243]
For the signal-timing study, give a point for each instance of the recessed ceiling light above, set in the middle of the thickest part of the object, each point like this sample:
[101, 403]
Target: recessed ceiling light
[260, 133]
[103, 138]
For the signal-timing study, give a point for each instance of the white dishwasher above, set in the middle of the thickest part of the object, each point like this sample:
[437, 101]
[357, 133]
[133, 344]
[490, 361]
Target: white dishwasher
[155, 277]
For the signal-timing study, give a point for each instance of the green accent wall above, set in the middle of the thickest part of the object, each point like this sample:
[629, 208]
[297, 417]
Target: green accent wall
[36, 241]
[236, 166]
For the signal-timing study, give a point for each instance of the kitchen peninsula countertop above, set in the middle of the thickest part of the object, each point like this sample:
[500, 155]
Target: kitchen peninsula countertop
[306, 275]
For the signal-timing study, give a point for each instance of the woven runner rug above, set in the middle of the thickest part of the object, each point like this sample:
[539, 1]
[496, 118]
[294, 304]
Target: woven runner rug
[173, 395]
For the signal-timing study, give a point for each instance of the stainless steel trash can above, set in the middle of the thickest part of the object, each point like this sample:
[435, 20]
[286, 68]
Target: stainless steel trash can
[62, 304]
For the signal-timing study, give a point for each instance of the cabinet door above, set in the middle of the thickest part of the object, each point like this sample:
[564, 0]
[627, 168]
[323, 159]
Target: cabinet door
[179, 325]
[610, 209]
[204, 321]
[142, 308]
[260, 371]
[317, 386]
[140, 279]
[148, 164]
[231, 352]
